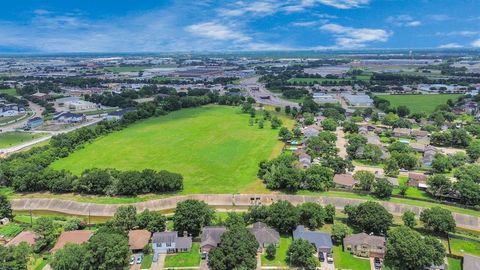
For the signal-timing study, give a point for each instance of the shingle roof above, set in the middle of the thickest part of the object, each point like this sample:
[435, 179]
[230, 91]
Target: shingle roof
[25, 236]
[344, 180]
[138, 239]
[184, 242]
[211, 235]
[74, 237]
[363, 238]
[318, 239]
[265, 234]
[164, 237]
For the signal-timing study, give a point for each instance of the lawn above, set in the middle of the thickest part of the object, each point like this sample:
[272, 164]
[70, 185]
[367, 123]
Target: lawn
[460, 247]
[420, 103]
[184, 259]
[454, 264]
[9, 91]
[10, 230]
[9, 139]
[281, 256]
[147, 261]
[345, 260]
[213, 147]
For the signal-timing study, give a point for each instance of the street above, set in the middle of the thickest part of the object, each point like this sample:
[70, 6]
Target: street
[274, 100]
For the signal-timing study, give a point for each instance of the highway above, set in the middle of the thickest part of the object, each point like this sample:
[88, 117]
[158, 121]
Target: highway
[252, 83]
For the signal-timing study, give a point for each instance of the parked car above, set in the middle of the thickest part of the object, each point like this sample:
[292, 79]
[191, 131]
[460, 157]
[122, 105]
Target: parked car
[139, 259]
[132, 260]
[204, 255]
[377, 263]
[329, 258]
[321, 256]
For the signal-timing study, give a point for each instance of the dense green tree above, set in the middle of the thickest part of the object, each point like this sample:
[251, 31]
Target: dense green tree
[473, 150]
[438, 219]
[125, 217]
[45, 230]
[300, 254]
[312, 215]
[283, 216]
[469, 172]
[350, 126]
[329, 124]
[468, 192]
[15, 257]
[339, 231]
[5, 207]
[285, 134]
[191, 216]
[275, 122]
[71, 257]
[365, 179]
[407, 161]
[382, 188]
[355, 141]
[391, 167]
[318, 178]
[108, 250]
[73, 224]
[439, 185]
[372, 153]
[370, 217]
[406, 248]
[237, 249]
[257, 213]
[235, 219]
[330, 212]
[271, 252]
[152, 221]
[409, 219]
[441, 164]
[403, 111]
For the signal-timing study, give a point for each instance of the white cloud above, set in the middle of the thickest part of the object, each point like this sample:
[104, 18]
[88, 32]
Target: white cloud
[465, 33]
[403, 20]
[296, 6]
[476, 43]
[450, 46]
[349, 37]
[216, 31]
[438, 17]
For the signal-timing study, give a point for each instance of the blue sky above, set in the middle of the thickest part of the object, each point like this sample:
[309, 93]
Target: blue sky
[188, 25]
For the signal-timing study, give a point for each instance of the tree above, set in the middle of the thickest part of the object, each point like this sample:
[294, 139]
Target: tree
[329, 124]
[275, 122]
[409, 219]
[108, 250]
[152, 221]
[15, 257]
[441, 164]
[300, 254]
[283, 216]
[312, 215]
[271, 252]
[469, 172]
[439, 185]
[330, 212]
[468, 192]
[125, 218]
[365, 179]
[355, 141]
[45, 230]
[73, 224]
[403, 111]
[370, 217]
[438, 219]
[285, 134]
[391, 167]
[473, 150]
[71, 256]
[318, 178]
[339, 231]
[237, 250]
[261, 123]
[191, 216]
[406, 248]
[234, 219]
[5, 207]
[382, 188]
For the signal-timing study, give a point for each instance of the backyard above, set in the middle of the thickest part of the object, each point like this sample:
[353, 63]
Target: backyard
[345, 260]
[281, 256]
[420, 103]
[184, 259]
[213, 147]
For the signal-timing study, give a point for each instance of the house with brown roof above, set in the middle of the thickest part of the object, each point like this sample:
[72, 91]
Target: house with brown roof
[418, 180]
[138, 239]
[419, 133]
[265, 235]
[211, 236]
[402, 132]
[26, 236]
[344, 180]
[364, 245]
[73, 237]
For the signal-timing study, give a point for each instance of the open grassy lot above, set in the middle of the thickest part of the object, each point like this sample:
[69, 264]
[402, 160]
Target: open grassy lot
[281, 256]
[184, 259]
[9, 91]
[345, 260]
[460, 247]
[10, 230]
[420, 103]
[213, 147]
[9, 139]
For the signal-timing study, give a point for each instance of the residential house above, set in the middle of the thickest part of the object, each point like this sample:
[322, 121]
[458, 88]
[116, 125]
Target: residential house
[265, 235]
[321, 241]
[364, 245]
[418, 180]
[401, 132]
[345, 181]
[374, 139]
[138, 239]
[34, 122]
[41, 96]
[305, 160]
[429, 155]
[117, 115]
[418, 147]
[363, 130]
[170, 242]
[73, 237]
[471, 262]
[419, 133]
[26, 236]
[310, 132]
[69, 118]
[211, 236]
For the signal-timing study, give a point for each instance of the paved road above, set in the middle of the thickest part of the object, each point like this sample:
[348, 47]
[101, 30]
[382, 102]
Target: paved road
[37, 111]
[274, 100]
[218, 200]
[341, 143]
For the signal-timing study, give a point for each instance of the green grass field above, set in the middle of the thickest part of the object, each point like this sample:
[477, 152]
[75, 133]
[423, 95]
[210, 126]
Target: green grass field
[281, 256]
[184, 259]
[345, 260]
[10, 230]
[420, 103]
[9, 91]
[9, 139]
[146, 261]
[213, 147]
[460, 247]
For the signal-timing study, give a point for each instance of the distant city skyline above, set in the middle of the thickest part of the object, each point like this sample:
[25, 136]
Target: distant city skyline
[107, 26]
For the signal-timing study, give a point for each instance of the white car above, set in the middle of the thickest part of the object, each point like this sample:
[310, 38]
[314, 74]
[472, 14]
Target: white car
[132, 260]
[329, 258]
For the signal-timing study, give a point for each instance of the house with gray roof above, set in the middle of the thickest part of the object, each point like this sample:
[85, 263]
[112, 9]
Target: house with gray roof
[211, 236]
[365, 245]
[170, 242]
[265, 235]
[471, 262]
[321, 241]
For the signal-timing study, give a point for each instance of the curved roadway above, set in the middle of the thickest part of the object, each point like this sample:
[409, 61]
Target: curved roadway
[217, 200]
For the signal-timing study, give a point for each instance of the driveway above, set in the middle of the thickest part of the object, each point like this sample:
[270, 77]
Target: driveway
[203, 265]
[160, 263]
[372, 264]
[341, 143]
